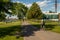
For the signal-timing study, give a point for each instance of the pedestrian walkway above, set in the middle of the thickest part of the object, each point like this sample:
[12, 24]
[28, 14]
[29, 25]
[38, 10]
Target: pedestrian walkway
[42, 35]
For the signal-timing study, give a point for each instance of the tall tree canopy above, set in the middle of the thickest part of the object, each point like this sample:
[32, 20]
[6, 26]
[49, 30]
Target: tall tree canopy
[19, 9]
[13, 8]
[4, 4]
[2, 16]
[34, 12]
[5, 0]
[4, 7]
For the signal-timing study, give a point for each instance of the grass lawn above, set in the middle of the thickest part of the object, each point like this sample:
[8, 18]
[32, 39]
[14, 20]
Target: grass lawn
[56, 29]
[7, 30]
[11, 38]
[49, 25]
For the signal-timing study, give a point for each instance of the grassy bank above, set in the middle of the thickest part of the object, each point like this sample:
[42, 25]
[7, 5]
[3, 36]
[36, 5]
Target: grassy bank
[56, 29]
[49, 25]
[7, 30]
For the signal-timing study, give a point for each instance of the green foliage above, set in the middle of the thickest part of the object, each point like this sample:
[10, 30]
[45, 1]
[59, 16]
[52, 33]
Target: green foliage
[15, 8]
[2, 16]
[49, 25]
[34, 12]
[56, 29]
[19, 9]
[4, 0]
[4, 7]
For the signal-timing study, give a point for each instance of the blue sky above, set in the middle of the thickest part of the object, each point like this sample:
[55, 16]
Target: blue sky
[45, 5]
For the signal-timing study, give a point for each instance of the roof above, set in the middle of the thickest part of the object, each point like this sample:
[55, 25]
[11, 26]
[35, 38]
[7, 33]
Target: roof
[51, 13]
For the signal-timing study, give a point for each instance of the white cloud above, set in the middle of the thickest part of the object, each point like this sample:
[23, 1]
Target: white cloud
[53, 7]
[43, 3]
[28, 5]
[40, 3]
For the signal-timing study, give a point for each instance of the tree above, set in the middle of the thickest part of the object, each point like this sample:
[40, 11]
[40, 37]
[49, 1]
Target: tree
[23, 11]
[19, 9]
[34, 12]
[4, 7]
[5, 0]
[4, 4]
[12, 8]
[2, 16]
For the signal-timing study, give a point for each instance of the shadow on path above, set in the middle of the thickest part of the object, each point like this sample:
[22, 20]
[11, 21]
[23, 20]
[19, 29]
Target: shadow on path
[28, 30]
[25, 30]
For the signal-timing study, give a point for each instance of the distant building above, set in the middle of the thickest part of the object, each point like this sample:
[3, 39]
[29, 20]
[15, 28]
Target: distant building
[11, 18]
[52, 16]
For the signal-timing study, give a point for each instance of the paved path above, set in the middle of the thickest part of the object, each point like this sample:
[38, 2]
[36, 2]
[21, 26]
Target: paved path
[42, 35]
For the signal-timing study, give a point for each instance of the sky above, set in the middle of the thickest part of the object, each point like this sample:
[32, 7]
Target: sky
[45, 5]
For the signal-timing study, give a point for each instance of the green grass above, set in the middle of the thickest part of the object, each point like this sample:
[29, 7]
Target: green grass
[49, 25]
[8, 30]
[11, 38]
[3, 24]
[56, 29]
[35, 23]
